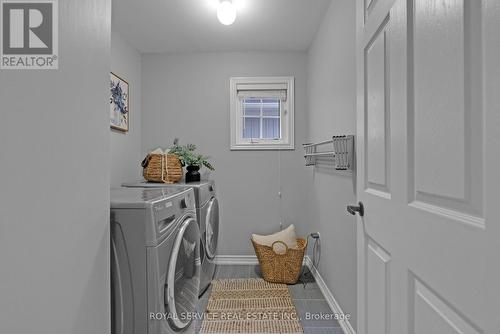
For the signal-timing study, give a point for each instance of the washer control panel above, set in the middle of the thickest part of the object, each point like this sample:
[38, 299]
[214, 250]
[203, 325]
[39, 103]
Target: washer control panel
[166, 212]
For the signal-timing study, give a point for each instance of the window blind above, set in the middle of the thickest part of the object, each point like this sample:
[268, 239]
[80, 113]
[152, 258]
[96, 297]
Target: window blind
[246, 91]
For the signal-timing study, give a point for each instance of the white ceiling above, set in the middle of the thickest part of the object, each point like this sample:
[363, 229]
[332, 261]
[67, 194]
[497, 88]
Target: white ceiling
[153, 26]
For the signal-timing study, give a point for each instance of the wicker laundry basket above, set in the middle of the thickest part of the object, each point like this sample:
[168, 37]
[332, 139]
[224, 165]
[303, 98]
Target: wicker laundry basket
[281, 268]
[165, 168]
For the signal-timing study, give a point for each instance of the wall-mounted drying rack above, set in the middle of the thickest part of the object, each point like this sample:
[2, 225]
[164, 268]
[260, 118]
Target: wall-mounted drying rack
[341, 153]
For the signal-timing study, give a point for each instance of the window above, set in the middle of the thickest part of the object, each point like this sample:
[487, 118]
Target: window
[262, 113]
[261, 118]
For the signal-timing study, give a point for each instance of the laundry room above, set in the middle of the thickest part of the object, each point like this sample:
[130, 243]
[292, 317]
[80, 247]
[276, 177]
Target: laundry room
[249, 166]
[195, 87]
[184, 88]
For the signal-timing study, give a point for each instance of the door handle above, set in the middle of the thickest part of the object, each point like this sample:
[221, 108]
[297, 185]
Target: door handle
[352, 209]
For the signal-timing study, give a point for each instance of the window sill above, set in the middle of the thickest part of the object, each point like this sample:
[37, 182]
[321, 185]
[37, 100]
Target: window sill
[262, 147]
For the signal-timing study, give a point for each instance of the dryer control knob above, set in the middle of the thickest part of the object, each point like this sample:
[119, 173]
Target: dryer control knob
[184, 203]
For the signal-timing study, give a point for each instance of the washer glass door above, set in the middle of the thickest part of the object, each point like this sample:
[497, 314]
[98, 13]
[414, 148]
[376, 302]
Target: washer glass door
[183, 278]
[212, 228]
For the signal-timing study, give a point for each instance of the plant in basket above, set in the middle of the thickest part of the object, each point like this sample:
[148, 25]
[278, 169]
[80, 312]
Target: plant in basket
[192, 160]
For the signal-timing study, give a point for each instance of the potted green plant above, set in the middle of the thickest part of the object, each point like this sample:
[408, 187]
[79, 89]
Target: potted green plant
[191, 160]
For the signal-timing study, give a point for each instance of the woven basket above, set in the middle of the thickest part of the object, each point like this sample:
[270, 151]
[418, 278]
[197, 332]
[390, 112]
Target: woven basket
[281, 268]
[165, 168]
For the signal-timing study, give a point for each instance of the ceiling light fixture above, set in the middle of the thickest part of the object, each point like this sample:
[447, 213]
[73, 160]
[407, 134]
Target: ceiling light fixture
[226, 12]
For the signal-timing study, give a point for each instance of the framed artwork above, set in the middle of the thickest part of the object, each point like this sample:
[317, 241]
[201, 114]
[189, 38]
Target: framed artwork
[119, 103]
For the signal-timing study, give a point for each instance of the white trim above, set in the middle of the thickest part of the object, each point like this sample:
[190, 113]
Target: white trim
[452, 214]
[288, 116]
[330, 299]
[236, 259]
[334, 305]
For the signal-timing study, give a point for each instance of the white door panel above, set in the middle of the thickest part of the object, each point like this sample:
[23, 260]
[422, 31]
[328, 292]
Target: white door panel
[378, 285]
[430, 314]
[444, 77]
[428, 163]
[377, 134]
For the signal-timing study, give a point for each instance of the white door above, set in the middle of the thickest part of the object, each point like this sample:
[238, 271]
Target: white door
[428, 166]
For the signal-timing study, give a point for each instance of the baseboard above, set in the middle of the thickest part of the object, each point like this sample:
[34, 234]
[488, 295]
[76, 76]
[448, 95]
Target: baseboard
[236, 259]
[334, 305]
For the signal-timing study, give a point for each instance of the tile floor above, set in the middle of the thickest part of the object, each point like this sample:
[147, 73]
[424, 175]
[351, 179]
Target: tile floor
[309, 299]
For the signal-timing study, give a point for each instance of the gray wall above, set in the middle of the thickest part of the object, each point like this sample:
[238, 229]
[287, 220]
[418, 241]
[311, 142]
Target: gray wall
[187, 96]
[54, 198]
[126, 147]
[331, 104]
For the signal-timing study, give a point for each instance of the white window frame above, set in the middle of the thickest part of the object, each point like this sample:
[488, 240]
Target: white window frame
[287, 141]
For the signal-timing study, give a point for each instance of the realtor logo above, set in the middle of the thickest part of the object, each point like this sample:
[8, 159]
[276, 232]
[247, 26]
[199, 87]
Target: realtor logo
[29, 34]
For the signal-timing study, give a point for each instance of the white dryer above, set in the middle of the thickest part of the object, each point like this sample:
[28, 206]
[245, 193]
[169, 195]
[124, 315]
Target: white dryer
[207, 210]
[155, 260]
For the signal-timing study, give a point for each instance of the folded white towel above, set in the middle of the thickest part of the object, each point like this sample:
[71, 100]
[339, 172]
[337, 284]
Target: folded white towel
[157, 151]
[287, 236]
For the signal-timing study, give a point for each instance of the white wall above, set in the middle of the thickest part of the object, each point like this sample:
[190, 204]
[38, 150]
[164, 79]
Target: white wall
[187, 96]
[54, 183]
[331, 104]
[126, 147]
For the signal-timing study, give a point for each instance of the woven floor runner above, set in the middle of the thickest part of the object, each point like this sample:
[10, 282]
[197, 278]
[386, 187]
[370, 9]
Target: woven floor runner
[250, 306]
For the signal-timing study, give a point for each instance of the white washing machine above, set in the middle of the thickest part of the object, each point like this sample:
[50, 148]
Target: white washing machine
[207, 210]
[155, 260]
